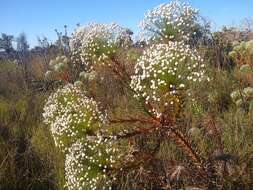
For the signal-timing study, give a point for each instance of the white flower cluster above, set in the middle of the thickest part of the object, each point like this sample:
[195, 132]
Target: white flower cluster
[88, 162]
[57, 65]
[88, 75]
[96, 42]
[164, 72]
[71, 115]
[75, 123]
[169, 21]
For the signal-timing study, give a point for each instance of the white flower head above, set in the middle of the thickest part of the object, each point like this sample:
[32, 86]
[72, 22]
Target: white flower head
[95, 42]
[71, 115]
[164, 71]
[88, 162]
[169, 21]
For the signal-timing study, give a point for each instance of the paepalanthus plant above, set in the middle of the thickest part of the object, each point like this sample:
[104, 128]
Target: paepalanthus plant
[163, 77]
[71, 115]
[88, 163]
[171, 21]
[164, 73]
[76, 124]
[58, 69]
[96, 43]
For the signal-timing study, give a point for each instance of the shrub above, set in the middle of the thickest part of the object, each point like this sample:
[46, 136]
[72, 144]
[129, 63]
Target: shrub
[174, 134]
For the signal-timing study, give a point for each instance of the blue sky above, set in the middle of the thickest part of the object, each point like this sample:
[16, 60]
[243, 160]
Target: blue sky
[41, 17]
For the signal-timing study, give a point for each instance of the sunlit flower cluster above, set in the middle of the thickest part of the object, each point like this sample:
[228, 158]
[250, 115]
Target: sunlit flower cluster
[76, 126]
[88, 75]
[71, 115]
[95, 43]
[88, 162]
[164, 72]
[174, 20]
[57, 65]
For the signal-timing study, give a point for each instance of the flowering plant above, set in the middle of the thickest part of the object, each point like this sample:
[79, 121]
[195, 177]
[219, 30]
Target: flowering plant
[164, 73]
[162, 78]
[95, 43]
[171, 21]
[71, 115]
[88, 162]
[58, 68]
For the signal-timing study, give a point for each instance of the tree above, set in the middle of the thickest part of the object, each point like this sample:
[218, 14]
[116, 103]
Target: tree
[22, 44]
[6, 43]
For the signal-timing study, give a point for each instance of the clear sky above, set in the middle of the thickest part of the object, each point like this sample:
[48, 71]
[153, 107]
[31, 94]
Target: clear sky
[41, 17]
